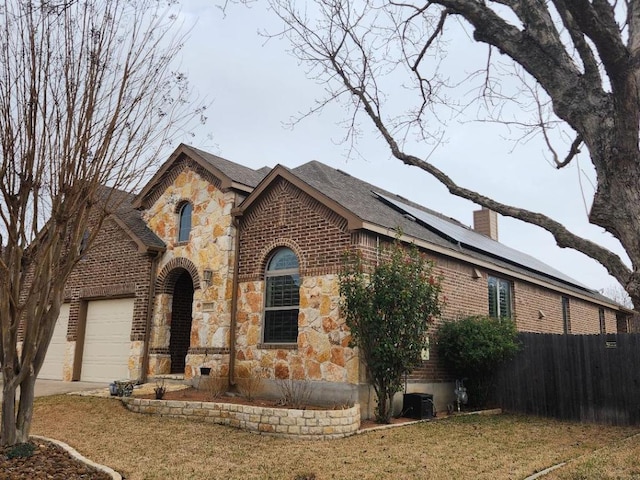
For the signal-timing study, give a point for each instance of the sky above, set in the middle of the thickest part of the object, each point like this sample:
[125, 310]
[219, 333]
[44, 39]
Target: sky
[256, 87]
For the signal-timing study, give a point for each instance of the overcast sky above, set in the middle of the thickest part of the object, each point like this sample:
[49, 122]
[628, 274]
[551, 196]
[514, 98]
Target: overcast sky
[256, 87]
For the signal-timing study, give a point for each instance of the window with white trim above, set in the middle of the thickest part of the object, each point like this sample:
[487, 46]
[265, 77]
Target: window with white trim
[500, 297]
[282, 298]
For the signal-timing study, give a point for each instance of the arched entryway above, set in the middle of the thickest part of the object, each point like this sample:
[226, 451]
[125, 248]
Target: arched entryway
[181, 317]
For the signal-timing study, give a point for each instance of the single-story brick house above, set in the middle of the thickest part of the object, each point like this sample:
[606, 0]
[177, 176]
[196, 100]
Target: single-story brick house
[215, 264]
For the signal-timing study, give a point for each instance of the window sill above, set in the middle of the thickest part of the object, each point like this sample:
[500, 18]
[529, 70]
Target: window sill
[278, 346]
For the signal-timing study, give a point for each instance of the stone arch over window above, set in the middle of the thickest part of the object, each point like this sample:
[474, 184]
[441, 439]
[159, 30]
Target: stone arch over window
[282, 297]
[184, 210]
[171, 272]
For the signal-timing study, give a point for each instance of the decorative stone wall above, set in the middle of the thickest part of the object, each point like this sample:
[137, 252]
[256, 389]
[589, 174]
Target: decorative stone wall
[210, 247]
[285, 422]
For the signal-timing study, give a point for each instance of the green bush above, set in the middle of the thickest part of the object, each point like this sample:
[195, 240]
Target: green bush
[388, 308]
[473, 347]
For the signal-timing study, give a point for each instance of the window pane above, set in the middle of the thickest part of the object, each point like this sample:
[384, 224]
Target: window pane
[493, 297]
[283, 291]
[283, 260]
[185, 222]
[281, 326]
[499, 296]
[282, 298]
[566, 315]
[505, 299]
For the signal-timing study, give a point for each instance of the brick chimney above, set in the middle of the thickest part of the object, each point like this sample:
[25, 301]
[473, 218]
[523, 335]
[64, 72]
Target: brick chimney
[485, 221]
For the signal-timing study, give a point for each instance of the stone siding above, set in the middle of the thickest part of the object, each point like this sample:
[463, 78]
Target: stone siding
[210, 247]
[285, 422]
[322, 352]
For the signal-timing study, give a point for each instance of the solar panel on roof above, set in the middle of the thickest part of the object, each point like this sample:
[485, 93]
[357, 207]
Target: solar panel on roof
[479, 242]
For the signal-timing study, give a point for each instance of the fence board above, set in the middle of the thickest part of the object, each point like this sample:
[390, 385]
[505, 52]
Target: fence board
[591, 378]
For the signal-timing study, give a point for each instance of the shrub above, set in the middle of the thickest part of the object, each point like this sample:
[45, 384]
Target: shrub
[215, 384]
[160, 390]
[249, 382]
[21, 450]
[294, 393]
[388, 308]
[473, 347]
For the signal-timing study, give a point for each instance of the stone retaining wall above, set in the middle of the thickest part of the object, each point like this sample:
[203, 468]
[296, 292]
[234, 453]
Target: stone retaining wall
[286, 422]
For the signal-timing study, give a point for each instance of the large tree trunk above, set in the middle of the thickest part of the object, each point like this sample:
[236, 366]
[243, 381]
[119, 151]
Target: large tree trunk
[25, 408]
[9, 432]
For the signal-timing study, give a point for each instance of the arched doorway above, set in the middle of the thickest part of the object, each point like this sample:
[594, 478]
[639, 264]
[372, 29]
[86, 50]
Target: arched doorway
[181, 316]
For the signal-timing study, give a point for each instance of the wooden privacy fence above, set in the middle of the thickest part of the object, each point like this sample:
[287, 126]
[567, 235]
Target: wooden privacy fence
[591, 378]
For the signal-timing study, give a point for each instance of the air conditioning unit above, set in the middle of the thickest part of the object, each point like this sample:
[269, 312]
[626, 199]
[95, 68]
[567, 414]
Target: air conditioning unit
[418, 405]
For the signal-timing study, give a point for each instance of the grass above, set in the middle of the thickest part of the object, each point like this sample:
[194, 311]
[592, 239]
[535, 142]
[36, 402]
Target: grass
[479, 447]
[620, 460]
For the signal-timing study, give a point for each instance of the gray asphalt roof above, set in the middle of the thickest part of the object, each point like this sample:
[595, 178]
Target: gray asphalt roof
[356, 196]
[132, 218]
[237, 173]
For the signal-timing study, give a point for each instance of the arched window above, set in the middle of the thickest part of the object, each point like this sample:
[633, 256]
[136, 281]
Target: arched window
[184, 227]
[282, 298]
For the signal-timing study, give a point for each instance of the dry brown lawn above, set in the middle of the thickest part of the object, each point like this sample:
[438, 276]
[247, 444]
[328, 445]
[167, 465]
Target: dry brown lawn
[479, 447]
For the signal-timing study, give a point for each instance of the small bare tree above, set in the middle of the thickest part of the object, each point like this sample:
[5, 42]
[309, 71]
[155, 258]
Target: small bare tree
[618, 294]
[578, 63]
[87, 98]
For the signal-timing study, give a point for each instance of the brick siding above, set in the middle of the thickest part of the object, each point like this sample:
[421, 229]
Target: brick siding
[113, 267]
[286, 216]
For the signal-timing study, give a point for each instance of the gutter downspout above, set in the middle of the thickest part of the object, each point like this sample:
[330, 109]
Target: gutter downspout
[150, 304]
[234, 302]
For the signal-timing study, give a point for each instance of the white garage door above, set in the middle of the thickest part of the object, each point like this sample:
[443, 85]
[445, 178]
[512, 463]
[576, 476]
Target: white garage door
[54, 360]
[107, 340]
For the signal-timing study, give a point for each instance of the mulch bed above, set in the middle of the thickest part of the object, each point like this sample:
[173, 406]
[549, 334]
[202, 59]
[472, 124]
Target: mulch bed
[48, 462]
[194, 395]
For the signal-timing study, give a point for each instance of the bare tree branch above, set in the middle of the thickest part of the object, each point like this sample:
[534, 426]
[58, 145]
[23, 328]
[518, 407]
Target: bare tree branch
[573, 49]
[88, 97]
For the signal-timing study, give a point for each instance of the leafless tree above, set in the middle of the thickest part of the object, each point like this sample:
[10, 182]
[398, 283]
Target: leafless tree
[618, 294]
[88, 96]
[579, 62]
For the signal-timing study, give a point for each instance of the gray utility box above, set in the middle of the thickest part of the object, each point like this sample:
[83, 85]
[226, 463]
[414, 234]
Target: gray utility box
[418, 405]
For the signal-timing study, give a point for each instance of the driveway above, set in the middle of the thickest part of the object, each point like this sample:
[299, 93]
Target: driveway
[56, 387]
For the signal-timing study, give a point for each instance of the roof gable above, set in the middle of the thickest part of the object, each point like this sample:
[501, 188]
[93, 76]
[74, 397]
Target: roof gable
[227, 174]
[131, 221]
[281, 172]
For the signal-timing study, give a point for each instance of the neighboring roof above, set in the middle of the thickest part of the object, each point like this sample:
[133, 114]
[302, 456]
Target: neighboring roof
[230, 174]
[130, 219]
[367, 206]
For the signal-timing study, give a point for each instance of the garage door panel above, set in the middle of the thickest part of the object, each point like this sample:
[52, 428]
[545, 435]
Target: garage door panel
[53, 366]
[107, 340]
